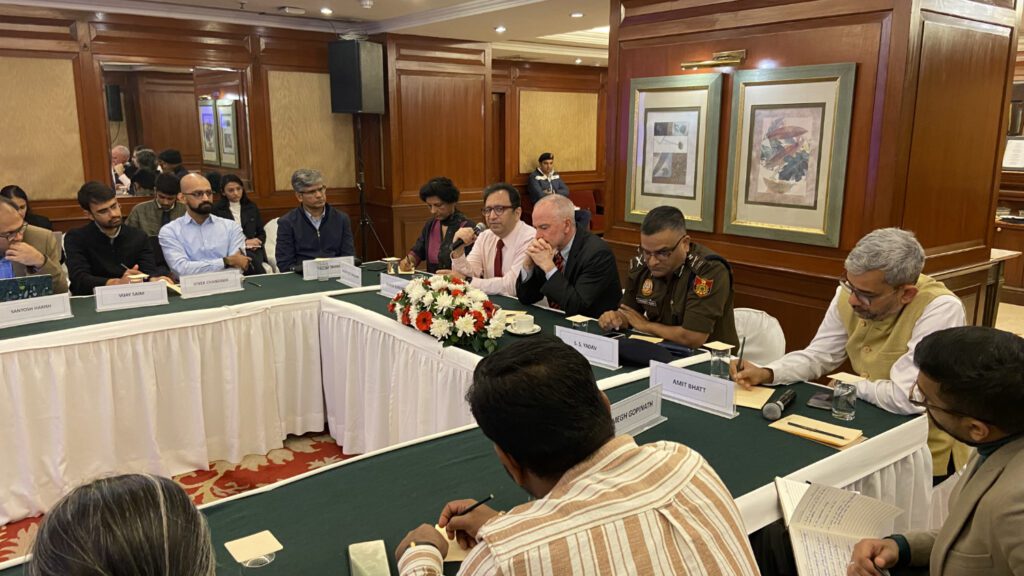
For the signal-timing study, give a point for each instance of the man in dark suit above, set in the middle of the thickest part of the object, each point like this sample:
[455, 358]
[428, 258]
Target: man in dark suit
[574, 269]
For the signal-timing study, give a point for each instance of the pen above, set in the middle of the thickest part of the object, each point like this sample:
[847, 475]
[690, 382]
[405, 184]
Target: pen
[475, 504]
[739, 363]
[816, 430]
[254, 283]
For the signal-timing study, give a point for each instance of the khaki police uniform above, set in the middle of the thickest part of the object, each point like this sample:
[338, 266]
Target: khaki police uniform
[697, 297]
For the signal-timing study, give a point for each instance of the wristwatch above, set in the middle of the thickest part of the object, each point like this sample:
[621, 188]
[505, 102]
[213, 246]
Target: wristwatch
[225, 261]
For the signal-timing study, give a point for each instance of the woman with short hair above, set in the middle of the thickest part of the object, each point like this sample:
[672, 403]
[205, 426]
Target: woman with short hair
[434, 245]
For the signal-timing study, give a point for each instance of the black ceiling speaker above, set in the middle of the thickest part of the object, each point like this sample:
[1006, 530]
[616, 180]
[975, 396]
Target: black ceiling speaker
[357, 77]
[114, 112]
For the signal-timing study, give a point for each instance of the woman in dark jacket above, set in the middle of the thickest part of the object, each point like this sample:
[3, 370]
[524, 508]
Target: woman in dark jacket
[16, 194]
[234, 204]
[435, 242]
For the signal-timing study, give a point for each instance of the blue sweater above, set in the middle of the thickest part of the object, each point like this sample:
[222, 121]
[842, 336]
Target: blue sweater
[298, 240]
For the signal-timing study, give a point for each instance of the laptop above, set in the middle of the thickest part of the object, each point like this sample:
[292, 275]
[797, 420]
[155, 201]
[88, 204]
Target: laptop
[24, 287]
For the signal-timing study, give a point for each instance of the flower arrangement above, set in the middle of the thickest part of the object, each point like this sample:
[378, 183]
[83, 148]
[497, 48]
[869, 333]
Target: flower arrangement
[451, 311]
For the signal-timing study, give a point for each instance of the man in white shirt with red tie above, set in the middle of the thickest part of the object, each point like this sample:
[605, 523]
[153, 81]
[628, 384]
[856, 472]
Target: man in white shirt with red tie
[497, 254]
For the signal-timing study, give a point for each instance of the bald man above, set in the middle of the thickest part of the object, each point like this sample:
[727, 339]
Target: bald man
[200, 242]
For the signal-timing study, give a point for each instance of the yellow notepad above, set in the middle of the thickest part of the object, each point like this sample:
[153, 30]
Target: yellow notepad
[651, 339]
[817, 430]
[754, 398]
[455, 552]
[254, 546]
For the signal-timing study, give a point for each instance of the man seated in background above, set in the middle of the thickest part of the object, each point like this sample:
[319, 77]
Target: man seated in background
[574, 269]
[883, 307]
[170, 162]
[26, 250]
[498, 252]
[543, 181]
[681, 291]
[971, 383]
[151, 216]
[603, 504]
[313, 230]
[201, 242]
[121, 169]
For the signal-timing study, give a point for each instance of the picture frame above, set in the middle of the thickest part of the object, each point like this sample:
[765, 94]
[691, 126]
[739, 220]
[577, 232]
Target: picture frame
[227, 133]
[790, 132]
[673, 147]
[208, 131]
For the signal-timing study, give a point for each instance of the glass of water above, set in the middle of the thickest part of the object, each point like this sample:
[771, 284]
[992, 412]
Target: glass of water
[844, 401]
[581, 325]
[323, 270]
[720, 363]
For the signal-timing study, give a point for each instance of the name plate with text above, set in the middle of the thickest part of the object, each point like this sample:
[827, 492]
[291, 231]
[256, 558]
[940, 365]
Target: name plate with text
[351, 275]
[121, 296]
[32, 310]
[712, 395]
[310, 268]
[639, 412]
[598, 350]
[391, 285]
[229, 280]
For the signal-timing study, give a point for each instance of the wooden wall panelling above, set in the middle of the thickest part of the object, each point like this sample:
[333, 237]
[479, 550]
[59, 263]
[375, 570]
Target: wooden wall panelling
[168, 117]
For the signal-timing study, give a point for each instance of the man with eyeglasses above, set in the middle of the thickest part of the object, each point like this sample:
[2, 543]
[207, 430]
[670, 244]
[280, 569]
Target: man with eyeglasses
[971, 383]
[200, 242]
[498, 252]
[681, 291]
[882, 309]
[27, 250]
[313, 230]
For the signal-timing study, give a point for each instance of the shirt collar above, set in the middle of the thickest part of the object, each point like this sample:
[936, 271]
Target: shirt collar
[568, 247]
[100, 230]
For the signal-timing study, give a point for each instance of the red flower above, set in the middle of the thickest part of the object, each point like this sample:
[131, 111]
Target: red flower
[456, 293]
[405, 316]
[456, 281]
[479, 325]
[458, 313]
[423, 321]
[488, 308]
[391, 307]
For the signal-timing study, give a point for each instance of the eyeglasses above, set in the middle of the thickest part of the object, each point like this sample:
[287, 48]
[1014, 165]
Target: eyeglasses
[498, 210]
[320, 190]
[663, 254]
[8, 236]
[199, 195]
[865, 299]
[917, 399]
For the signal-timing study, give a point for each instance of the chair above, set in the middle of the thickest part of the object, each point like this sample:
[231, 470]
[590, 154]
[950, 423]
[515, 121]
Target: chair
[585, 200]
[270, 245]
[765, 340]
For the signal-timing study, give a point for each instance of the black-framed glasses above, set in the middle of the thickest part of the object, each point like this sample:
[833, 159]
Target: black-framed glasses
[917, 399]
[322, 189]
[199, 195]
[498, 210]
[662, 254]
[8, 236]
[865, 299]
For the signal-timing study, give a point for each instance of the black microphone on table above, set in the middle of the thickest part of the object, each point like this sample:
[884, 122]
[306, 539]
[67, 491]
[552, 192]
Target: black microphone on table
[476, 230]
[774, 410]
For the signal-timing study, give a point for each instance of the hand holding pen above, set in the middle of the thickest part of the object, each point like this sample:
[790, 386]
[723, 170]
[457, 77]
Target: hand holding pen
[462, 519]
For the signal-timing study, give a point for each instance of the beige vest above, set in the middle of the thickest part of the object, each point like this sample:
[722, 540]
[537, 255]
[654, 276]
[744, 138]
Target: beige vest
[873, 346]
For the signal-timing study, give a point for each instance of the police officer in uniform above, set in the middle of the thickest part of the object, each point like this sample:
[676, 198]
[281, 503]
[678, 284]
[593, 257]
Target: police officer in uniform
[681, 291]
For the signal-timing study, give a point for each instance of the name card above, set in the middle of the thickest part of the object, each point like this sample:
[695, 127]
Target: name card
[598, 350]
[351, 275]
[391, 285]
[121, 296]
[696, 390]
[638, 413]
[32, 310]
[229, 280]
[310, 267]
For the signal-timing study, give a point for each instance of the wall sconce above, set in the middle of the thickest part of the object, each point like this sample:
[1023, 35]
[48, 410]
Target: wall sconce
[729, 58]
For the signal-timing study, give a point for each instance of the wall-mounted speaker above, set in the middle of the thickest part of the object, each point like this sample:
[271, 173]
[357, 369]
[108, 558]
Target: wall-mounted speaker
[114, 112]
[357, 77]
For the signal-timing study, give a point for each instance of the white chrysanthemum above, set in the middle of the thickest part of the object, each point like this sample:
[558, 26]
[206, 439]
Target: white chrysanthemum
[443, 302]
[398, 313]
[477, 306]
[462, 302]
[416, 291]
[477, 295]
[465, 325]
[438, 283]
[496, 328]
[413, 311]
[440, 328]
[500, 316]
[427, 300]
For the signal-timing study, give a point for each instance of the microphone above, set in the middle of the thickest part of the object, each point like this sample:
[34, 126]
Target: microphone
[774, 410]
[476, 230]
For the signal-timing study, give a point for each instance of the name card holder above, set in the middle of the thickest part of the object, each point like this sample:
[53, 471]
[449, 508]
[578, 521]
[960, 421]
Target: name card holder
[391, 285]
[706, 393]
[196, 285]
[32, 310]
[350, 275]
[122, 296]
[638, 413]
[309, 267]
[598, 350]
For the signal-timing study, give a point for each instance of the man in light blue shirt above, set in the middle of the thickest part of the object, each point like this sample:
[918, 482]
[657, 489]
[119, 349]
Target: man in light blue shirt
[200, 242]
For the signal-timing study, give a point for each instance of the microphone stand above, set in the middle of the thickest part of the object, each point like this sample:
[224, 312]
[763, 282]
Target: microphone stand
[364, 217]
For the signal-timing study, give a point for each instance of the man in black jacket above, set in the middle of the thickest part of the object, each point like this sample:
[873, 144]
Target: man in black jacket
[105, 251]
[314, 229]
[574, 269]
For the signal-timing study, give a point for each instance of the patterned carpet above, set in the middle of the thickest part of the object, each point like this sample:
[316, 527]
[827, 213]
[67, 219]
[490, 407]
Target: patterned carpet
[299, 455]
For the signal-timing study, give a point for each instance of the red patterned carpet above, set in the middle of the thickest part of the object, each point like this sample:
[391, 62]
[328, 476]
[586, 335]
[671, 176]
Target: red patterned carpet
[299, 455]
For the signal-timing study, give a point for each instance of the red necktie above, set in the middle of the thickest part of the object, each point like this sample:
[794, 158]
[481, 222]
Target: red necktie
[560, 264]
[497, 258]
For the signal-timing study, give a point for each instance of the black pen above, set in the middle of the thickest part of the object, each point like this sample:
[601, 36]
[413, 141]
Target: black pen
[816, 430]
[254, 283]
[739, 363]
[474, 505]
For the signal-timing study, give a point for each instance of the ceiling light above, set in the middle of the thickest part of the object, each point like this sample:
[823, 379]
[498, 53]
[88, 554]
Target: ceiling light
[500, 29]
[326, 11]
[579, 60]
[576, 15]
[366, 4]
[292, 10]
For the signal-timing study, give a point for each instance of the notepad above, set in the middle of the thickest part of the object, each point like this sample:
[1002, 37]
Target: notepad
[845, 377]
[817, 430]
[579, 318]
[456, 553]
[718, 346]
[651, 339]
[754, 398]
[259, 544]
[368, 559]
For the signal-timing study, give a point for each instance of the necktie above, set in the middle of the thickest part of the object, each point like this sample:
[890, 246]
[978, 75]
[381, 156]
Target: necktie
[560, 265]
[497, 258]
[165, 217]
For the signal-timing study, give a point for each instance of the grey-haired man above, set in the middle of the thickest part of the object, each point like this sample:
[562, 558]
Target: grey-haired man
[314, 229]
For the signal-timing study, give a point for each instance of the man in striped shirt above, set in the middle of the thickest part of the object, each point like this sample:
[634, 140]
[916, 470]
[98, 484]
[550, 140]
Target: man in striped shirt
[603, 504]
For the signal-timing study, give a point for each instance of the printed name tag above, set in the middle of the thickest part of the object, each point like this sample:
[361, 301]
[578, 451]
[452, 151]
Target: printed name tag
[32, 310]
[598, 350]
[391, 285]
[351, 275]
[196, 285]
[713, 395]
[310, 268]
[123, 296]
[638, 413]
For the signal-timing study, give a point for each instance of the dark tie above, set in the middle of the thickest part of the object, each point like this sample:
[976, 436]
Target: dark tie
[165, 217]
[497, 258]
[560, 265]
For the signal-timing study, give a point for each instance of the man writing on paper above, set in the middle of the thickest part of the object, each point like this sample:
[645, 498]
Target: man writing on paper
[313, 230]
[498, 252]
[882, 308]
[971, 383]
[201, 242]
[26, 250]
[681, 291]
[603, 504]
[574, 269]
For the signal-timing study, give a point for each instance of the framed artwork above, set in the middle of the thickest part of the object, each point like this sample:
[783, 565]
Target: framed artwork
[227, 135]
[208, 131]
[673, 147]
[787, 162]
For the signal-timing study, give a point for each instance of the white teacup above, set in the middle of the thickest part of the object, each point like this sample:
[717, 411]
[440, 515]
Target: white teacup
[523, 323]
